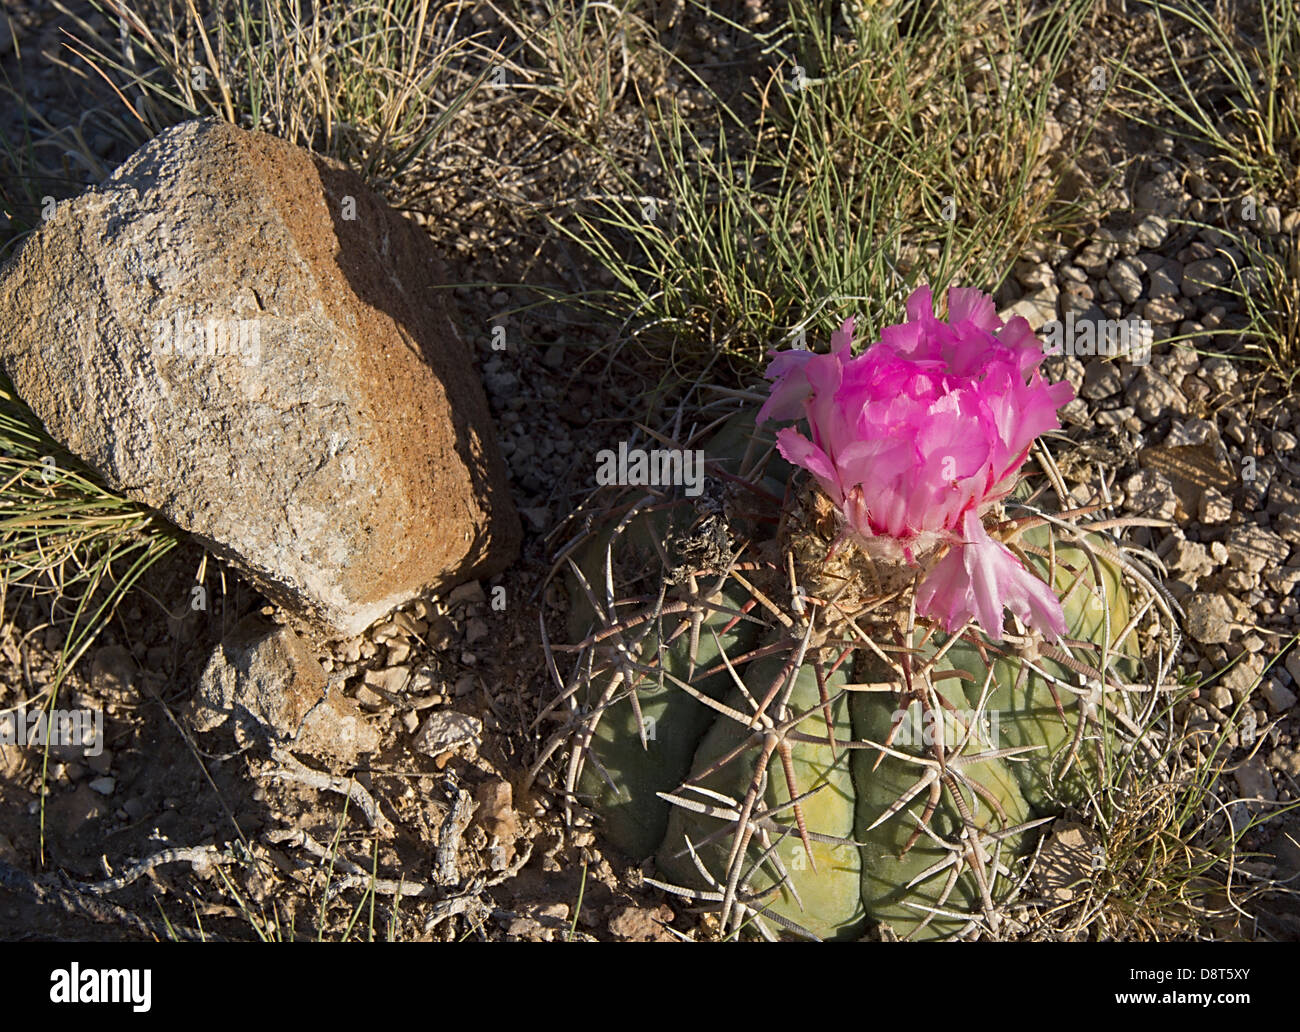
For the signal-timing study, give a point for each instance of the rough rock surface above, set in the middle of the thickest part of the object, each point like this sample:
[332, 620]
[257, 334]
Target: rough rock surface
[243, 336]
[266, 680]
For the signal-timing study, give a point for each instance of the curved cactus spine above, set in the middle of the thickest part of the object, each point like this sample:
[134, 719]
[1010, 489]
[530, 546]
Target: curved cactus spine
[774, 663]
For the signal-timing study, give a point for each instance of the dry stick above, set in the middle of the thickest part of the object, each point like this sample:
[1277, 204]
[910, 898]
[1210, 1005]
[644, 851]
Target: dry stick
[202, 855]
[453, 826]
[47, 892]
[294, 770]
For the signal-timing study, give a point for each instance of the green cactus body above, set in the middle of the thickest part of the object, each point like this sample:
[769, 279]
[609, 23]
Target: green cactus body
[823, 896]
[866, 868]
[888, 871]
[635, 816]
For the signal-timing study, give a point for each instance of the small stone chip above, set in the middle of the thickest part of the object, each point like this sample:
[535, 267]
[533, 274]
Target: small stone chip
[445, 730]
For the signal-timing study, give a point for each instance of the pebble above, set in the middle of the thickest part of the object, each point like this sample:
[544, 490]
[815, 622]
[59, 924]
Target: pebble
[104, 786]
[1209, 618]
[1283, 580]
[1293, 665]
[1037, 308]
[1163, 194]
[1191, 559]
[1164, 281]
[1242, 678]
[1161, 311]
[1203, 276]
[1152, 396]
[470, 591]
[1034, 275]
[1150, 493]
[1280, 698]
[1252, 548]
[1219, 373]
[1100, 380]
[1125, 276]
[1151, 231]
[391, 679]
[445, 730]
[1254, 781]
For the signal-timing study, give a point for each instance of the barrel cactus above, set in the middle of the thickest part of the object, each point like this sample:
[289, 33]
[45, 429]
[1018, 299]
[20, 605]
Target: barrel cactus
[814, 719]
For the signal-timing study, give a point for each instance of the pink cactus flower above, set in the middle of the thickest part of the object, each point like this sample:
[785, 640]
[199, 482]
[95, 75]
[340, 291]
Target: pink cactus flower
[916, 438]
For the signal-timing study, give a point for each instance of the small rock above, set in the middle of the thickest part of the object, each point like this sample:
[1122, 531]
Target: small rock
[1293, 665]
[1209, 618]
[1100, 381]
[1191, 559]
[1221, 697]
[1252, 548]
[537, 517]
[1163, 194]
[1219, 373]
[1279, 697]
[336, 727]
[1286, 760]
[445, 730]
[1153, 396]
[1034, 275]
[1254, 781]
[1164, 281]
[1151, 232]
[1069, 858]
[1242, 677]
[392, 680]
[104, 786]
[370, 699]
[1092, 260]
[1150, 493]
[1200, 277]
[496, 814]
[636, 924]
[1161, 311]
[1126, 277]
[1214, 507]
[1283, 579]
[476, 629]
[263, 675]
[471, 591]
[1037, 308]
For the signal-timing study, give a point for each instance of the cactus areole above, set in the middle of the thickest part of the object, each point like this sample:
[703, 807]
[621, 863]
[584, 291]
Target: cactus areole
[840, 689]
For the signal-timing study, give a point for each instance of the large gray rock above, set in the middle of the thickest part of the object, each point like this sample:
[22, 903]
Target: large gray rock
[241, 335]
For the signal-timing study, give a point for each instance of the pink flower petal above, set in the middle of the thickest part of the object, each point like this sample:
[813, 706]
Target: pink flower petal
[978, 579]
[971, 304]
